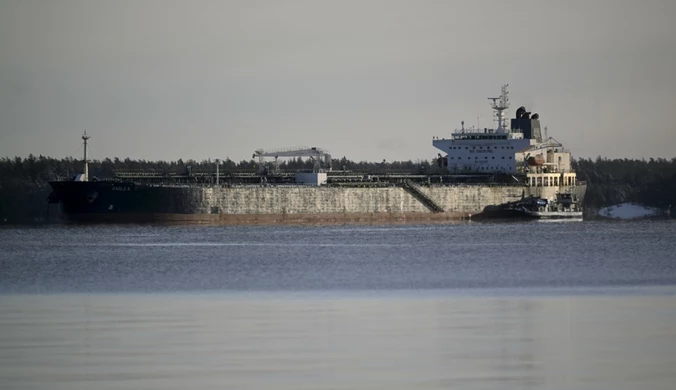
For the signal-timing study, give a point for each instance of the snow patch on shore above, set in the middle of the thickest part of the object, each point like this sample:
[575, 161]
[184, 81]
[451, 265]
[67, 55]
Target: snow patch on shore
[628, 211]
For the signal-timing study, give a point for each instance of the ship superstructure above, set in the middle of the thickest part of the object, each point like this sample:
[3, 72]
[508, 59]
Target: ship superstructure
[517, 150]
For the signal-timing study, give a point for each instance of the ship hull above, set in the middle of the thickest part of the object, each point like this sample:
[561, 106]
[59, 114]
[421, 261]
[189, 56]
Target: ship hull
[513, 214]
[128, 202]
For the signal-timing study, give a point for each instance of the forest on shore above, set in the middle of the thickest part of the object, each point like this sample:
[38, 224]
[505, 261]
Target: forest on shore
[24, 182]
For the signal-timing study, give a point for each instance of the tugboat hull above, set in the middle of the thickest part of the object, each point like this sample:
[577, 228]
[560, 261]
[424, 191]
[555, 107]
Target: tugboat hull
[513, 214]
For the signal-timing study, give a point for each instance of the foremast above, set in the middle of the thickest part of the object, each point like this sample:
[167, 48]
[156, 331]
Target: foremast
[85, 176]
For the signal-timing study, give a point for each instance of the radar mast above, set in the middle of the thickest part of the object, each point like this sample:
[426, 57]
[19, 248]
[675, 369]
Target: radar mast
[500, 104]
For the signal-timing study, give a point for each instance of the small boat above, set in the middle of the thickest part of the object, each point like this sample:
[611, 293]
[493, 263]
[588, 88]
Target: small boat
[564, 206]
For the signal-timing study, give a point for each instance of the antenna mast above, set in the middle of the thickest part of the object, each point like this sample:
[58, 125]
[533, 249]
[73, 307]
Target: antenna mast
[85, 137]
[500, 104]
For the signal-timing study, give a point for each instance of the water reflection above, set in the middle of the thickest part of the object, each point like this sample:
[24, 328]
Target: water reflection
[337, 341]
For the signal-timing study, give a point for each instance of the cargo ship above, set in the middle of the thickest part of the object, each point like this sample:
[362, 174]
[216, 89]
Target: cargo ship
[478, 168]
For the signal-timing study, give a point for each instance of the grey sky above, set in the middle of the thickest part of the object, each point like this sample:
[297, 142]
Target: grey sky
[365, 79]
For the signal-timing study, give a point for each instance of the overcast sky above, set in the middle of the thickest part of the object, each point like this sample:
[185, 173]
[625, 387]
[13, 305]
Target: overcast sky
[369, 80]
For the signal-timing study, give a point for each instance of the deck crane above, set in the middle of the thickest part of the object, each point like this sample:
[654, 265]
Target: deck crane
[321, 157]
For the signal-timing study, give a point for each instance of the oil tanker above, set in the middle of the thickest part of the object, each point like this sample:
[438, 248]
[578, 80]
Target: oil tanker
[479, 169]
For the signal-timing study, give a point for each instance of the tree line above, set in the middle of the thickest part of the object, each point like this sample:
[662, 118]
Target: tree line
[650, 182]
[24, 186]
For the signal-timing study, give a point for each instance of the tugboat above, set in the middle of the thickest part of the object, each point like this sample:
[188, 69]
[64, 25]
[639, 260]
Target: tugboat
[564, 206]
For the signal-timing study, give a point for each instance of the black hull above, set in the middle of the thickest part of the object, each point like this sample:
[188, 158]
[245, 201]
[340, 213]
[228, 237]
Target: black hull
[504, 215]
[111, 198]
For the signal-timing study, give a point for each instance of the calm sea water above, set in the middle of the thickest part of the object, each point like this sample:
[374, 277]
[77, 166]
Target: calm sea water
[471, 306]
